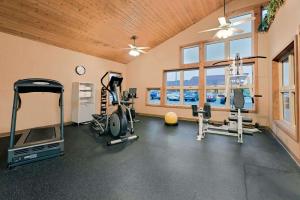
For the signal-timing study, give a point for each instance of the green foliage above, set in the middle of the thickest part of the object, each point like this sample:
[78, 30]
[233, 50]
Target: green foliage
[272, 8]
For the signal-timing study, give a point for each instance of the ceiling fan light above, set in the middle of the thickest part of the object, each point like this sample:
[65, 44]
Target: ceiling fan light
[223, 34]
[134, 52]
[229, 32]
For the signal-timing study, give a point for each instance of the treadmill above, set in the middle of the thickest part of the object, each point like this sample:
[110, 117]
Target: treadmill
[40, 143]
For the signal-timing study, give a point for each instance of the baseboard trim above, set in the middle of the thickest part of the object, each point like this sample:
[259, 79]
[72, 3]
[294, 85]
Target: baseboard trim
[293, 156]
[5, 134]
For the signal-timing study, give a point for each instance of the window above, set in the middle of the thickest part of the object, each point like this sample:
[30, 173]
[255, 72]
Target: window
[246, 84]
[215, 51]
[173, 78]
[215, 86]
[246, 27]
[239, 43]
[173, 97]
[243, 47]
[191, 77]
[264, 12]
[287, 88]
[190, 55]
[153, 96]
[182, 87]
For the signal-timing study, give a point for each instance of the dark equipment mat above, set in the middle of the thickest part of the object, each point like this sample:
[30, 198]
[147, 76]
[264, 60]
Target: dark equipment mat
[271, 184]
[39, 134]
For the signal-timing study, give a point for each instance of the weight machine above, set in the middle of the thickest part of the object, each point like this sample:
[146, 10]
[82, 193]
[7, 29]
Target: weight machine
[237, 125]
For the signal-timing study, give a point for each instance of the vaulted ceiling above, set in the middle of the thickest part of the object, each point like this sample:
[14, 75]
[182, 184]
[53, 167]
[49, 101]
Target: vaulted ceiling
[102, 27]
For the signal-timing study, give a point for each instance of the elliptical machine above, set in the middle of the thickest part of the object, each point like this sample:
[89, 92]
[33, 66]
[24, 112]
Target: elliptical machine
[115, 124]
[128, 100]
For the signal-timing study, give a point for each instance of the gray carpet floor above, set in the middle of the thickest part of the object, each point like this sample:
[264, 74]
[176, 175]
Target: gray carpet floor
[165, 163]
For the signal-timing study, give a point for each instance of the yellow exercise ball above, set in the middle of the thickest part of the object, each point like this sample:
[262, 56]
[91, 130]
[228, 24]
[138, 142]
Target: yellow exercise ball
[171, 118]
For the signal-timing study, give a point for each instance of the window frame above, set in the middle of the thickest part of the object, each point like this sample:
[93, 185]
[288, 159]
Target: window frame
[217, 87]
[290, 89]
[181, 87]
[227, 41]
[181, 57]
[291, 130]
[146, 99]
[223, 87]
[253, 62]
[255, 11]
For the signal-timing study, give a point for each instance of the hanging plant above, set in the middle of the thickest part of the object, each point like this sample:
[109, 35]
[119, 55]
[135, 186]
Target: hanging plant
[272, 8]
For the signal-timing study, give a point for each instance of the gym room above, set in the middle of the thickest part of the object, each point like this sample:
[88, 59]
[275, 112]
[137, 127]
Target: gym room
[150, 99]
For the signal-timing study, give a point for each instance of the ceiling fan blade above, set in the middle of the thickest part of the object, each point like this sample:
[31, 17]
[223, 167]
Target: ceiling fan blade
[139, 50]
[237, 30]
[143, 47]
[216, 35]
[131, 46]
[208, 30]
[222, 21]
[243, 21]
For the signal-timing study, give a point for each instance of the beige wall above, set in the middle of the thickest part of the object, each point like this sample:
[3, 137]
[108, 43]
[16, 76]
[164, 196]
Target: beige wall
[146, 71]
[22, 58]
[281, 33]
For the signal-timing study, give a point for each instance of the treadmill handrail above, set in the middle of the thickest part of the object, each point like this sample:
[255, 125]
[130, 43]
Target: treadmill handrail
[38, 85]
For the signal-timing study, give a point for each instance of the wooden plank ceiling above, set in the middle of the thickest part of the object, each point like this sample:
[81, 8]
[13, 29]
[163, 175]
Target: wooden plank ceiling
[102, 27]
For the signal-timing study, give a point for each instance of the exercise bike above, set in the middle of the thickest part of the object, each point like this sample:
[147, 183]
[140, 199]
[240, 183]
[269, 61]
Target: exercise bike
[116, 124]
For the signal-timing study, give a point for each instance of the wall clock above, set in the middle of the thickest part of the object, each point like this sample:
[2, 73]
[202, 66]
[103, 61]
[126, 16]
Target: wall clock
[80, 70]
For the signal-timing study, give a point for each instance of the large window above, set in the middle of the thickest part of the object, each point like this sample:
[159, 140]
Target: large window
[215, 86]
[240, 43]
[190, 55]
[243, 47]
[246, 27]
[182, 87]
[215, 51]
[287, 88]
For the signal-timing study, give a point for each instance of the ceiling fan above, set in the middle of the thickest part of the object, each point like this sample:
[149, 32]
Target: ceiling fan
[226, 27]
[135, 50]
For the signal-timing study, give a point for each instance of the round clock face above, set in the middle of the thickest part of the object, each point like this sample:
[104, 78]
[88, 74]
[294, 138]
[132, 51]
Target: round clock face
[80, 70]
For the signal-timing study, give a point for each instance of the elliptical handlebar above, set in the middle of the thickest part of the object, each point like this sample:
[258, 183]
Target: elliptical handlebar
[106, 87]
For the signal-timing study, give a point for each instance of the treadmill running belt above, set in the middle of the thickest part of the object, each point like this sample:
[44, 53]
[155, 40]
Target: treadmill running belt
[40, 134]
